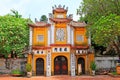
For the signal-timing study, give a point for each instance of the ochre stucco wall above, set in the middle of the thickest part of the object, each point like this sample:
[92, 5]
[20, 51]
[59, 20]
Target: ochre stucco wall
[40, 31]
[80, 31]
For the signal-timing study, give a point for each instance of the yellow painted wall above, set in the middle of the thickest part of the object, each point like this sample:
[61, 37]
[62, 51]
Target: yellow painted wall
[80, 31]
[40, 31]
[91, 58]
[29, 59]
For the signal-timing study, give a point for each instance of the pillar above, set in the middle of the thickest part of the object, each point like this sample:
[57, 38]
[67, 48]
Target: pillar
[72, 64]
[48, 65]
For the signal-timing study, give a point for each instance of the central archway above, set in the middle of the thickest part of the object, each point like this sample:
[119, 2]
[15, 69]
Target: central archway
[39, 66]
[60, 65]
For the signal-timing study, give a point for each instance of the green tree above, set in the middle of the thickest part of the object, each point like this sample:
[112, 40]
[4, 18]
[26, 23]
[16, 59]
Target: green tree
[16, 14]
[13, 35]
[93, 10]
[106, 32]
[103, 20]
[43, 18]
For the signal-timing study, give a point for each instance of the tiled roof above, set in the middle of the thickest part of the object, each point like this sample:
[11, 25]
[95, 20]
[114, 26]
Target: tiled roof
[39, 24]
[60, 10]
[77, 24]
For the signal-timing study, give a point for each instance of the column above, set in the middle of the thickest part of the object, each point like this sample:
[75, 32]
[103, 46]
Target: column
[68, 34]
[72, 64]
[89, 37]
[30, 38]
[72, 36]
[49, 36]
[48, 66]
[52, 34]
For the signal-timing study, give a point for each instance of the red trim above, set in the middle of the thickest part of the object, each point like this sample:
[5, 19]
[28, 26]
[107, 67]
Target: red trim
[40, 47]
[80, 47]
[60, 45]
[60, 19]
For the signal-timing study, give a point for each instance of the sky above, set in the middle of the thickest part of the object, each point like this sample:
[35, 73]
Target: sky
[37, 8]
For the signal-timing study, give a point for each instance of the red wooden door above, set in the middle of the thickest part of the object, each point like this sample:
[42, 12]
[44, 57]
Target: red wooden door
[60, 65]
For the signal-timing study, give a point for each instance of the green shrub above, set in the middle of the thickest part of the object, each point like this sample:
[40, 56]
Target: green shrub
[28, 67]
[93, 65]
[114, 73]
[16, 71]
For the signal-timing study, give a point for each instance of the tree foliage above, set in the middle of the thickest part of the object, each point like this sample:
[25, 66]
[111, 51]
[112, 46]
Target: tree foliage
[106, 32]
[103, 18]
[93, 10]
[106, 29]
[13, 34]
[43, 18]
[16, 14]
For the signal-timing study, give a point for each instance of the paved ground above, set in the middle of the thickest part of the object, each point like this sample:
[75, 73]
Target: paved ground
[62, 77]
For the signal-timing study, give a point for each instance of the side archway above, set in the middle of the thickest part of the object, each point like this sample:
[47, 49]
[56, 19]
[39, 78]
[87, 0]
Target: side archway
[39, 66]
[81, 65]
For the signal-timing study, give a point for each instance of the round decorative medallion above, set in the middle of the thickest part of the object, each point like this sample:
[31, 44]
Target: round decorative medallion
[60, 34]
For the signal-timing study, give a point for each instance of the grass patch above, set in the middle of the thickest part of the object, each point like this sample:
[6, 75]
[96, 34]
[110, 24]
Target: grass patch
[114, 73]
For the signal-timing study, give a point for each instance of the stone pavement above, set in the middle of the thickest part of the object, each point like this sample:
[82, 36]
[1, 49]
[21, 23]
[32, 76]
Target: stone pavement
[62, 77]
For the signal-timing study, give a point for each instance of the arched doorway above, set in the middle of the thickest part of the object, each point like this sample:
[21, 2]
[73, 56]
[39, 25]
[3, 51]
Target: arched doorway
[39, 66]
[60, 65]
[81, 65]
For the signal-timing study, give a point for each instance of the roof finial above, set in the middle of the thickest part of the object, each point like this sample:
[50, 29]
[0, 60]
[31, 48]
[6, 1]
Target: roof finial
[66, 8]
[52, 7]
[36, 20]
[55, 6]
[50, 15]
[59, 6]
[63, 6]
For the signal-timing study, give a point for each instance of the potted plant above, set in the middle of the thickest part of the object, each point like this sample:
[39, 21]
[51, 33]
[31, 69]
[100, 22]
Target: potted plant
[28, 69]
[16, 73]
[93, 67]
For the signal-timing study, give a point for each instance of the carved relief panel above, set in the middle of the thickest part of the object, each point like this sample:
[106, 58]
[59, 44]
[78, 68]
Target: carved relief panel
[60, 34]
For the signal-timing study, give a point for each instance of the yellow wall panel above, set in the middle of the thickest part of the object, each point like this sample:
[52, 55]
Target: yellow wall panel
[40, 31]
[80, 31]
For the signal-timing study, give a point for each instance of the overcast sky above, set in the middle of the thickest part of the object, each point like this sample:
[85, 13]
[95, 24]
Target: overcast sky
[36, 8]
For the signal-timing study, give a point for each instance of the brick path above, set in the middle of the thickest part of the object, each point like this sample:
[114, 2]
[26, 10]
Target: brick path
[62, 77]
